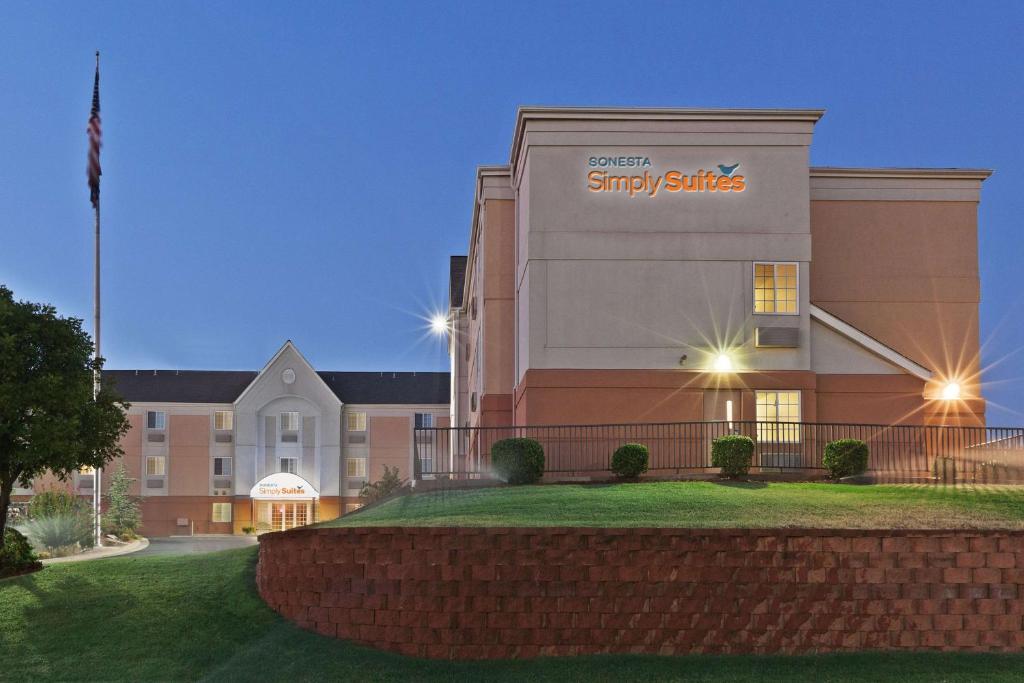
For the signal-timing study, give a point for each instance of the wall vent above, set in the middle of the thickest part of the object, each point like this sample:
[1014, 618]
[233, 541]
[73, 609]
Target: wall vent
[777, 337]
[155, 438]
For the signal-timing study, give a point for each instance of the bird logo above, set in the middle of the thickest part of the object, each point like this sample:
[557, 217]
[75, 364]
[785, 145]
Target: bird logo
[728, 170]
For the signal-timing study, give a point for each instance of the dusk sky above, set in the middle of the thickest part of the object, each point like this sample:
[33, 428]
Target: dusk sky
[304, 170]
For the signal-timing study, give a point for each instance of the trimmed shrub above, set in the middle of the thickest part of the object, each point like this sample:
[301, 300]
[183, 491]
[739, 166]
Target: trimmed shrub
[17, 556]
[630, 460]
[733, 454]
[518, 460]
[845, 458]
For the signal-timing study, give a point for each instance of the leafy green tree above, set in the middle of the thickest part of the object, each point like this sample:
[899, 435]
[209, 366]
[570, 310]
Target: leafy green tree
[122, 515]
[49, 419]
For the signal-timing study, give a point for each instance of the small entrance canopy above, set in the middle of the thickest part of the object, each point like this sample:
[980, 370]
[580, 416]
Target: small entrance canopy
[283, 486]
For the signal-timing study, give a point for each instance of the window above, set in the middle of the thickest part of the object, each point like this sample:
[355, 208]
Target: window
[289, 422]
[776, 410]
[289, 465]
[352, 507]
[424, 420]
[221, 512]
[156, 465]
[222, 467]
[775, 288]
[156, 419]
[355, 467]
[357, 422]
[223, 420]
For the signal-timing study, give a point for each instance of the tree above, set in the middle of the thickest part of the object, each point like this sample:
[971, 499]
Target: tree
[122, 508]
[49, 419]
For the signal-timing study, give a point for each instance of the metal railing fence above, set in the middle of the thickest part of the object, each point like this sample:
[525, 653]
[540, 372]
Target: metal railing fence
[976, 453]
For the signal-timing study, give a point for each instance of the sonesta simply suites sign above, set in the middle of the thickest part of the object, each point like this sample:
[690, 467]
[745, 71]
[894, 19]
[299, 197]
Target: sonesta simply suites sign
[631, 175]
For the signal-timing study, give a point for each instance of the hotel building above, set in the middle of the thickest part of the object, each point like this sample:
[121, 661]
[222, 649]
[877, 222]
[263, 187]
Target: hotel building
[668, 265]
[625, 266]
[220, 451]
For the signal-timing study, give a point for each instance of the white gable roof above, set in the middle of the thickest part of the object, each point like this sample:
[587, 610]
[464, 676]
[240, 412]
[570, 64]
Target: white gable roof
[870, 343]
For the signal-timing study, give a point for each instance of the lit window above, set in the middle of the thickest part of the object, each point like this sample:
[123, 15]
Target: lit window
[777, 413]
[222, 467]
[355, 467]
[775, 288]
[424, 420]
[357, 422]
[352, 507]
[156, 465]
[221, 512]
[223, 420]
[156, 419]
[289, 422]
[289, 465]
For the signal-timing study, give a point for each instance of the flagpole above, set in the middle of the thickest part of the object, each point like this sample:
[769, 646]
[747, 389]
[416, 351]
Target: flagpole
[98, 472]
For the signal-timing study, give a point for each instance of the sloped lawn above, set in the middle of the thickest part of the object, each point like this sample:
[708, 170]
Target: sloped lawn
[198, 617]
[707, 504]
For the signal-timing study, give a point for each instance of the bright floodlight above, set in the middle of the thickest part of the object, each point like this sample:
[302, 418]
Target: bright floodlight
[951, 391]
[439, 324]
[723, 363]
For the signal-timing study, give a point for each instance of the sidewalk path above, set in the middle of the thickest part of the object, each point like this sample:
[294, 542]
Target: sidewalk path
[100, 553]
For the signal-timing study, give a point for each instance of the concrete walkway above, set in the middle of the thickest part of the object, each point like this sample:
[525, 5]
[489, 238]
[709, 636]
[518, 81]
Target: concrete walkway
[100, 553]
[183, 545]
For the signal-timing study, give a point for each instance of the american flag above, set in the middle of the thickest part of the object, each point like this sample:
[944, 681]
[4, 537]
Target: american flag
[95, 140]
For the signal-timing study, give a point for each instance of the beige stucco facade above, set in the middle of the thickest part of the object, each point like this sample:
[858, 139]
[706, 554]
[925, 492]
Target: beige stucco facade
[628, 286]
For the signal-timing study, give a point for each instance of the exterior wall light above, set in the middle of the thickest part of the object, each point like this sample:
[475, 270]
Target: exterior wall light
[722, 363]
[439, 324]
[951, 391]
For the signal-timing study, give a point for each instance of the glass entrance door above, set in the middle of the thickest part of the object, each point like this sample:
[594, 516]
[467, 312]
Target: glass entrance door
[285, 516]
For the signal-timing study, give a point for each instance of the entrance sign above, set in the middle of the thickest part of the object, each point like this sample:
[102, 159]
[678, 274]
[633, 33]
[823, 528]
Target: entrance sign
[283, 486]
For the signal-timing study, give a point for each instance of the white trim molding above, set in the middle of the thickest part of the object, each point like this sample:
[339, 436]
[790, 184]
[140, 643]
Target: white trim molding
[870, 343]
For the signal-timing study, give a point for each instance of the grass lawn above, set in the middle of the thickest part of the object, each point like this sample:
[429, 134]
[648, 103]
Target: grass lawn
[198, 617]
[707, 504]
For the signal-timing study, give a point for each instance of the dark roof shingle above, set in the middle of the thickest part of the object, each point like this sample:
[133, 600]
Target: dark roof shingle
[224, 386]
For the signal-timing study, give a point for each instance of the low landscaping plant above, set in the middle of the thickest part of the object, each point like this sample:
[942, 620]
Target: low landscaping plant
[630, 460]
[845, 458]
[17, 556]
[518, 460]
[74, 525]
[733, 453]
[385, 486]
[57, 535]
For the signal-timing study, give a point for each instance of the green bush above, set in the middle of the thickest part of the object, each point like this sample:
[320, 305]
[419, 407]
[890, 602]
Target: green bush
[733, 454]
[75, 514]
[518, 460]
[53, 502]
[630, 460]
[385, 486]
[845, 458]
[17, 556]
[58, 535]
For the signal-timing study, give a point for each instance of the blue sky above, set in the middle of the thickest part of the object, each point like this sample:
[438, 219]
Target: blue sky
[304, 170]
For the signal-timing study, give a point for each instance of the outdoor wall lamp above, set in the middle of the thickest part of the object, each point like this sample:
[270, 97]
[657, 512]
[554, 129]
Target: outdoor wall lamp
[723, 363]
[951, 391]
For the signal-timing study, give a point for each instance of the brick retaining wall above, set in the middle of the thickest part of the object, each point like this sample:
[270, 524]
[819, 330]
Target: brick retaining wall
[493, 593]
